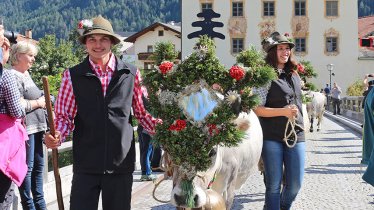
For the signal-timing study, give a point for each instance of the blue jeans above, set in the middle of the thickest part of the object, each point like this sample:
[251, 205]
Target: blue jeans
[34, 178]
[146, 149]
[275, 155]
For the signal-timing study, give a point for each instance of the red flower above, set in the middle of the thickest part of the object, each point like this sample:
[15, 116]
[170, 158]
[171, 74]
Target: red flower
[178, 125]
[213, 130]
[300, 68]
[237, 72]
[165, 67]
[80, 25]
[286, 34]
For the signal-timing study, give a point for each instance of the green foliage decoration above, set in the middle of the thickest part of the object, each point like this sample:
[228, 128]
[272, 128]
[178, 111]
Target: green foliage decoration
[251, 57]
[189, 142]
[164, 51]
[307, 72]
[187, 187]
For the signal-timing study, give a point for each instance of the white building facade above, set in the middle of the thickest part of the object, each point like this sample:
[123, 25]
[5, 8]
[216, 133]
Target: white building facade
[146, 39]
[324, 31]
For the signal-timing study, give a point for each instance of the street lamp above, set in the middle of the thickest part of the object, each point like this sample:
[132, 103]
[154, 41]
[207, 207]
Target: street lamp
[330, 67]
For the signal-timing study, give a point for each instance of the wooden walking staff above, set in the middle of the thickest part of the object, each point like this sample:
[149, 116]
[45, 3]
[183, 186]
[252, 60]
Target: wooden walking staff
[52, 130]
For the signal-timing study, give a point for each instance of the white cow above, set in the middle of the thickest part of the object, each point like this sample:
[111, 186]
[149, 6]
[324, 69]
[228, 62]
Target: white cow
[315, 108]
[232, 167]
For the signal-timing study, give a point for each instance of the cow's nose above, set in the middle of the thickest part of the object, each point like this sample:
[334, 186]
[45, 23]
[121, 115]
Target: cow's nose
[196, 199]
[179, 200]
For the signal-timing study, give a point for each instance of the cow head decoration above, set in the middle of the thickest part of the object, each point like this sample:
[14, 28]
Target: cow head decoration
[197, 116]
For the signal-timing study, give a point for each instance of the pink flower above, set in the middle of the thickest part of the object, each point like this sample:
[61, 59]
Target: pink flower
[217, 87]
[165, 67]
[237, 72]
[286, 34]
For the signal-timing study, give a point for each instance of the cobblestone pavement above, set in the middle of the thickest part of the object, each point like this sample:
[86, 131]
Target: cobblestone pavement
[332, 177]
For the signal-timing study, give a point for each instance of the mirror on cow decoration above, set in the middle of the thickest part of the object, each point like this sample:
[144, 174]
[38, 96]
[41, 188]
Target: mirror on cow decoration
[198, 100]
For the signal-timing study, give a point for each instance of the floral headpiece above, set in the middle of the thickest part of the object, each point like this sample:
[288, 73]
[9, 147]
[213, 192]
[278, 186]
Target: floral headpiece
[84, 25]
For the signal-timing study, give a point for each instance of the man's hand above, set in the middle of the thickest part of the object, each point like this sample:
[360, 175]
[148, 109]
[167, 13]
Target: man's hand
[52, 142]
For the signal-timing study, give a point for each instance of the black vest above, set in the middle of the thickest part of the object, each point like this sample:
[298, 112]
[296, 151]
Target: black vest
[283, 91]
[103, 135]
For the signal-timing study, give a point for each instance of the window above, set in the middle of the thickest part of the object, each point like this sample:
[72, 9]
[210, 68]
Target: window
[237, 45]
[300, 8]
[150, 48]
[269, 8]
[205, 6]
[237, 9]
[300, 45]
[160, 33]
[148, 65]
[331, 44]
[331, 8]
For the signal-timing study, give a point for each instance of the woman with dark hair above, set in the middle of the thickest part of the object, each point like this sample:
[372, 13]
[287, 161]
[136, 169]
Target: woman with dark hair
[280, 114]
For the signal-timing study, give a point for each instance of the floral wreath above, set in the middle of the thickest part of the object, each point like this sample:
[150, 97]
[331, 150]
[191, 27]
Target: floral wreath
[175, 92]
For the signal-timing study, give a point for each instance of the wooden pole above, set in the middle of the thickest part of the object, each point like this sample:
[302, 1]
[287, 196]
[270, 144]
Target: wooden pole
[52, 130]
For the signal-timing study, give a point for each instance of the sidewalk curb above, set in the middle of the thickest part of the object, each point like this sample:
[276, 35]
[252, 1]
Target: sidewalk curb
[354, 125]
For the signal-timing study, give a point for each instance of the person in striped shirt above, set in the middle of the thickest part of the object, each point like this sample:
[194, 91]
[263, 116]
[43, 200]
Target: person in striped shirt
[94, 101]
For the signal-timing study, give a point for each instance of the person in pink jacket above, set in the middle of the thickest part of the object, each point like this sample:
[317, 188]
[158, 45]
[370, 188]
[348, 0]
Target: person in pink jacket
[12, 133]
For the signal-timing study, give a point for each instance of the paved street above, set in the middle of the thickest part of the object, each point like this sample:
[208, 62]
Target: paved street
[332, 177]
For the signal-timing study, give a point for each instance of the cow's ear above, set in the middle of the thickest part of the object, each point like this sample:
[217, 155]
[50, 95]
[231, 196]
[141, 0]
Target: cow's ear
[212, 152]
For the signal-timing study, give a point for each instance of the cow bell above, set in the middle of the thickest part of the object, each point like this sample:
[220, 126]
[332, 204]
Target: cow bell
[214, 201]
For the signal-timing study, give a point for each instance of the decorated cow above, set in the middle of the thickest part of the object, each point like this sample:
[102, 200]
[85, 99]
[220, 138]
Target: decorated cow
[213, 138]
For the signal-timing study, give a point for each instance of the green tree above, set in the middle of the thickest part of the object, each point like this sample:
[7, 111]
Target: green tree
[59, 17]
[356, 89]
[51, 60]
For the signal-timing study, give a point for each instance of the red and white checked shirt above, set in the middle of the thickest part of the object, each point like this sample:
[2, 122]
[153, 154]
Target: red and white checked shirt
[66, 107]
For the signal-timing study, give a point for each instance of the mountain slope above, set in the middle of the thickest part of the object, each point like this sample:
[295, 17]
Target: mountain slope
[61, 16]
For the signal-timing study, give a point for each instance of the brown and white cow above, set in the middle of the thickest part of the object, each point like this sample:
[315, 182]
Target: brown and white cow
[230, 166]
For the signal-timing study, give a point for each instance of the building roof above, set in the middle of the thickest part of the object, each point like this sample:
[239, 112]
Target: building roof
[125, 33]
[172, 27]
[366, 26]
